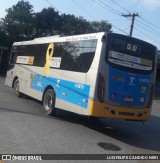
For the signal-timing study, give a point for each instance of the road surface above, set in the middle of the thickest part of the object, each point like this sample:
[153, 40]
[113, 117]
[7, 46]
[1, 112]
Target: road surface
[25, 129]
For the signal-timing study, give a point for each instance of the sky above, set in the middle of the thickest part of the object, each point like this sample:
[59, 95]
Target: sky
[146, 26]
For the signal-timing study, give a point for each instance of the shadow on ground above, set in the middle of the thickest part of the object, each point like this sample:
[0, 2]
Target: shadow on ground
[137, 134]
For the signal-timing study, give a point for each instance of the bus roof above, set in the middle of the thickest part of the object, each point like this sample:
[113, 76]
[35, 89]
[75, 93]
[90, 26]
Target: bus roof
[56, 38]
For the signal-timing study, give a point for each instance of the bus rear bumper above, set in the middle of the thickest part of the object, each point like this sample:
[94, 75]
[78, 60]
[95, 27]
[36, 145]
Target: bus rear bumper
[104, 110]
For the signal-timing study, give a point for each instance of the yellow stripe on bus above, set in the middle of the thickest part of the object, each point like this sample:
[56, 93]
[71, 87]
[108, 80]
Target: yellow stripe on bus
[104, 110]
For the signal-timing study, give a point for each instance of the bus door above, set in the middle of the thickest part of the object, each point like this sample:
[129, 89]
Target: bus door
[12, 62]
[75, 63]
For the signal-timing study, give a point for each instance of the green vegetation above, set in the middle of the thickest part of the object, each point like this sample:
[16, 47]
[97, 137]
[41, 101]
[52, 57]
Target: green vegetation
[22, 23]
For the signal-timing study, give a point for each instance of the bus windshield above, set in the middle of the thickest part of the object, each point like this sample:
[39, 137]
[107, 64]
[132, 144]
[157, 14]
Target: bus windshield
[133, 54]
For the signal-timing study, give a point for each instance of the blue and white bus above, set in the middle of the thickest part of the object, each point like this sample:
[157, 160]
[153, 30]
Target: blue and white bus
[98, 75]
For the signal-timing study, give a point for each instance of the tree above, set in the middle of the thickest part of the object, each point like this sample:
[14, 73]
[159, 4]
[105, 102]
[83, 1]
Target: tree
[47, 22]
[18, 24]
[3, 36]
[72, 25]
[21, 23]
[78, 25]
[99, 26]
[3, 39]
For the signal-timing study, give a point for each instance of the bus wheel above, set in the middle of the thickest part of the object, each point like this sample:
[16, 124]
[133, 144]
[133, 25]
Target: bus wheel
[49, 102]
[16, 88]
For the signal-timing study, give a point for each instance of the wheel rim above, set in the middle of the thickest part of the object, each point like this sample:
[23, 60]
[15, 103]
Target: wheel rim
[48, 102]
[16, 86]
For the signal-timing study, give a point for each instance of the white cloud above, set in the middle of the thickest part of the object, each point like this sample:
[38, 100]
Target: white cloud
[145, 4]
[151, 4]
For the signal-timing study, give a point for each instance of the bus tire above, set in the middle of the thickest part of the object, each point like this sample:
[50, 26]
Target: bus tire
[49, 102]
[16, 88]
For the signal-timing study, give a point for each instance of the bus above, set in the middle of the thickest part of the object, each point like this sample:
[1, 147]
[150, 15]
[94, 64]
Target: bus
[103, 74]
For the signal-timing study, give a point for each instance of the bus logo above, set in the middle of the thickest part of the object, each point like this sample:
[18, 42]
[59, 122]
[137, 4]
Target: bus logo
[132, 80]
[58, 82]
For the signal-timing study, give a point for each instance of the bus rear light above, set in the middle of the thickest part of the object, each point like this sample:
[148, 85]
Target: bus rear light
[150, 96]
[101, 88]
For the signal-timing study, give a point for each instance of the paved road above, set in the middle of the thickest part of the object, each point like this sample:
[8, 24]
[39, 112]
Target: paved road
[24, 128]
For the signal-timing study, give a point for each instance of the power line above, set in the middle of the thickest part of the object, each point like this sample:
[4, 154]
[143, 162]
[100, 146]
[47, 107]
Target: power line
[133, 16]
[150, 23]
[95, 18]
[143, 27]
[148, 30]
[112, 12]
[120, 6]
[102, 4]
[140, 17]
[84, 10]
[120, 29]
[109, 7]
[148, 26]
[124, 28]
[53, 6]
[137, 20]
[153, 30]
[147, 36]
[132, 23]
[106, 7]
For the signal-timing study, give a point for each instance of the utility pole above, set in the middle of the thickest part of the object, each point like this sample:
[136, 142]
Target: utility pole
[132, 23]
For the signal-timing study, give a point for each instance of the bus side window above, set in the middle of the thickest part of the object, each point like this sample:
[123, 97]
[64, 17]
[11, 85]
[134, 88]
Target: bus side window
[13, 57]
[87, 55]
[70, 57]
[22, 51]
[86, 61]
[39, 53]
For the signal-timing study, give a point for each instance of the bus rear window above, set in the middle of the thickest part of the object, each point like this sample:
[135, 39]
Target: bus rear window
[131, 53]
